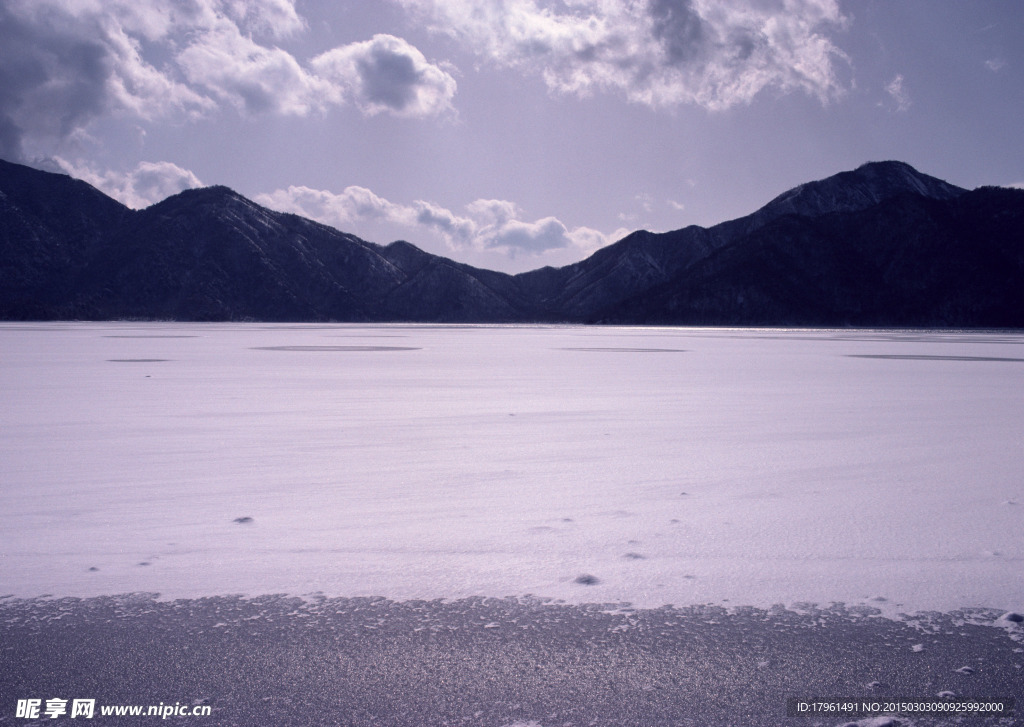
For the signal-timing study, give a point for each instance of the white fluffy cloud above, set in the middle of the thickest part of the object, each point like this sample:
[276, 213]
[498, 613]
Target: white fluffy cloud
[147, 184]
[277, 18]
[340, 210]
[231, 66]
[386, 74]
[657, 52]
[65, 63]
[487, 224]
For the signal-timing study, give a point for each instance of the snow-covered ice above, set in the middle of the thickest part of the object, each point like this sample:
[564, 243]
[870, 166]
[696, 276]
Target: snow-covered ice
[669, 465]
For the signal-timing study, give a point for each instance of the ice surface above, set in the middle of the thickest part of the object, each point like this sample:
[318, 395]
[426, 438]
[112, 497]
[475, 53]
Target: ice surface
[671, 466]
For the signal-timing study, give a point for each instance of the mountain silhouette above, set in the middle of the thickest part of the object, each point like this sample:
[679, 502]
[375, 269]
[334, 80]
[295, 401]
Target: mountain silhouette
[881, 245]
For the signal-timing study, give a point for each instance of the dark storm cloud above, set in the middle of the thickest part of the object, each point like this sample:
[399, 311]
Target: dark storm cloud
[62, 65]
[48, 81]
[10, 139]
[18, 72]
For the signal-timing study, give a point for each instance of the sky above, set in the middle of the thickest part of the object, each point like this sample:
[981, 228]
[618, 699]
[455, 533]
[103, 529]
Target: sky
[508, 134]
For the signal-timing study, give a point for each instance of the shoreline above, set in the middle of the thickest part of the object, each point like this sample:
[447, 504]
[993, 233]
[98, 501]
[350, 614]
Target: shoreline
[495, 662]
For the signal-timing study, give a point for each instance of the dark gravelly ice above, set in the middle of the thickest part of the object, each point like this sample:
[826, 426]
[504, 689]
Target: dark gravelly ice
[277, 660]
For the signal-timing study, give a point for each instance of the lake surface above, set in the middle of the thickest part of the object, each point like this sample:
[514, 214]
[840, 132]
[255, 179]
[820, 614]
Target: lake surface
[596, 465]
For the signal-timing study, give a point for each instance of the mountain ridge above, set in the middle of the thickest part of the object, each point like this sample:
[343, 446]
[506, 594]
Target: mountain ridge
[917, 274]
[811, 256]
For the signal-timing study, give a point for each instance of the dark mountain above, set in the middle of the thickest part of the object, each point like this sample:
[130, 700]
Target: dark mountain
[211, 254]
[613, 274]
[864, 187]
[877, 246]
[49, 226]
[910, 260]
[646, 260]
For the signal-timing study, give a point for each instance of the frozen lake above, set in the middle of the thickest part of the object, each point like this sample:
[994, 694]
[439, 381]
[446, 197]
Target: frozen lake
[652, 466]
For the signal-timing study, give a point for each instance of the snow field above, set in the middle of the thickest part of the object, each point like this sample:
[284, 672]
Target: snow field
[651, 466]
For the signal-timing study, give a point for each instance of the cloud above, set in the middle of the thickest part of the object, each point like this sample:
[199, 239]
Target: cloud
[655, 52]
[458, 232]
[277, 18]
[66, 63]
[386, 74]
[487, 224]
[233, 67]
[898, 93]
[645, 200]
[62, 67]
[340, 210]
[995, 64]
[148, 183]
[493, 212]
[533, 237]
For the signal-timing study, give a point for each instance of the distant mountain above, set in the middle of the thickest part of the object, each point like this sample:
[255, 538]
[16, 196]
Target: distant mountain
[860, 189]
[909, 260]
[882, 245]
[210, 254]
